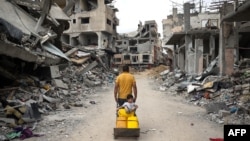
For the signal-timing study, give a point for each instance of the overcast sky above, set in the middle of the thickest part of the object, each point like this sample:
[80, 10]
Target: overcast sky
[133, 11]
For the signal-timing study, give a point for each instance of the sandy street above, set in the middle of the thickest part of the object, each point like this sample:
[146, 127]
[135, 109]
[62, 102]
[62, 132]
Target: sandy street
[162, 117]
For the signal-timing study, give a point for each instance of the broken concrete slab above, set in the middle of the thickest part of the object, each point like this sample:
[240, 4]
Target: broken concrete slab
[8, 120]
[88, 68]
[59, 83]
[224, 113]
[215, 107]
[79, 61]
[55, 72]
[70, 52]
[165, 72]
[50, 99]
[82, 54]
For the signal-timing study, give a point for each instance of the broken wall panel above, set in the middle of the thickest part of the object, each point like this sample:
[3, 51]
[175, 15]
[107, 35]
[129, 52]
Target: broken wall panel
[17, 52]
[145, 47]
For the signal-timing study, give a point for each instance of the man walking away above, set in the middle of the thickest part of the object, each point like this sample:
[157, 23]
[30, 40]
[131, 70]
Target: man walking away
[124, 84]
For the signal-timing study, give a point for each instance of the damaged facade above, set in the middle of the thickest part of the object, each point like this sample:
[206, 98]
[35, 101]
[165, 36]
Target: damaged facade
[92, 27]
[208, 39]
[142, 47]
[194, 37]
[93, 24]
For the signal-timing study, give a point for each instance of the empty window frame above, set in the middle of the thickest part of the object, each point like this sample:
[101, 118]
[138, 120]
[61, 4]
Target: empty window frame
[132, 42]
[85, 20]
[145, 58]
[126, 57]
[118, 60]
[108, 21]
[135, 59]
[133, 49]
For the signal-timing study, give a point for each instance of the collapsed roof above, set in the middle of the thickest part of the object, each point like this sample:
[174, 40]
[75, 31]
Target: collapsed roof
[30, 30]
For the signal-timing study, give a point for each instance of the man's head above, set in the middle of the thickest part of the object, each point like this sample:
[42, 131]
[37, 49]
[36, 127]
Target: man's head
[125, 68]
[130, 98]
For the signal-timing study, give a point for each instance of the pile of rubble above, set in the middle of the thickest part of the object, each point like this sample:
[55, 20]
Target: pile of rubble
[64, 85]
[226, 99]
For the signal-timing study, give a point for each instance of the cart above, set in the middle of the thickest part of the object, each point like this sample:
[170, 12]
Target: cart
[126, 126]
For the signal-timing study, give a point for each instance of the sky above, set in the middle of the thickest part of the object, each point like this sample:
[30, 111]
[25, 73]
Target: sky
[133, 11]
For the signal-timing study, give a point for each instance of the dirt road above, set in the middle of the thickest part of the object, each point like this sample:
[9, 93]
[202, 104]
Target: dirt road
[162, 117]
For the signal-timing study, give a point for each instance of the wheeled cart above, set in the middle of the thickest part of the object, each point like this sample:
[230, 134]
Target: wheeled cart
[127, 125]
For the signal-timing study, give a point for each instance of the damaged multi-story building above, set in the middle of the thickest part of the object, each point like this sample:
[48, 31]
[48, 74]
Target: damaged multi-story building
[42, 33]
[209, 39]
[92, 26]
[142, 47]
[194, 37]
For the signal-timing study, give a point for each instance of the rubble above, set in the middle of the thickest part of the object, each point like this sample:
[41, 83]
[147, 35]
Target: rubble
[65, 86]
[225, 98]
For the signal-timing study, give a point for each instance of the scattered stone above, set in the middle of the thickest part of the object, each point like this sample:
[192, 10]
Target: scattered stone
[224, 113]
[59, 83]
[78, 104]
[66, 106]
[215, 107]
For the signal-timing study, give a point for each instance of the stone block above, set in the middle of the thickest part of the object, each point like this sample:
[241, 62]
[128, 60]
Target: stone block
[224, 113]
[59, 83]
[54, 72]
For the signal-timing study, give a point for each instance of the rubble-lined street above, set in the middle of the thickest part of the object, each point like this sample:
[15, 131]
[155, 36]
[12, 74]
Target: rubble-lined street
[162, 117]
[64, 63]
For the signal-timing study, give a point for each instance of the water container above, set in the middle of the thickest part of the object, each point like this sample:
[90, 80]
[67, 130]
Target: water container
[123, 113]
[132, 122]
[121, 122]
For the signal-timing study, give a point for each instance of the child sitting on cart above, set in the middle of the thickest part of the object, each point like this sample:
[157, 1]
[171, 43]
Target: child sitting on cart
[129, 106]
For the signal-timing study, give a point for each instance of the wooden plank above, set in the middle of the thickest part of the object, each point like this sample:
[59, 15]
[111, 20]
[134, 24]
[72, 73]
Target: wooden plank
[126, 132]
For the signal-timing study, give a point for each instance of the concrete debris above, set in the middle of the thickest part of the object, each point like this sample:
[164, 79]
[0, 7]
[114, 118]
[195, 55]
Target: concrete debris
[3, 138]
[49, 87]
[92, 102]
[215, 107]
[8, 120]
[46, 62]
[59, 84]
[54, 71]
[33, 44]
[89, 67]
[225, 98]
[164, 72]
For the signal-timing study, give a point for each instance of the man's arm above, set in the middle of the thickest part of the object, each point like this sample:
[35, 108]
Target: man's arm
[135, 91]
[120, 108]
[115, 91]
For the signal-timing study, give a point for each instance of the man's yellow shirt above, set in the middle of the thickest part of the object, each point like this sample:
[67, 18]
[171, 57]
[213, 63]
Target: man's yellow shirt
[125, 82]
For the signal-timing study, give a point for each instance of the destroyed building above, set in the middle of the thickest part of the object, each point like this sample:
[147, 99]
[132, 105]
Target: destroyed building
[218, 82]
[194, 37]
[30, 36]
[38, 66]
[93, 24]
[142, 47]
[208, 39]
